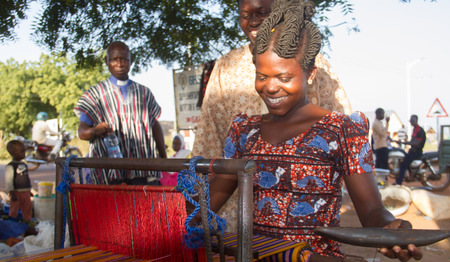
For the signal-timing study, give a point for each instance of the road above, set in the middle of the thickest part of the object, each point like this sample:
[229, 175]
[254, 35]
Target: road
[43, 173]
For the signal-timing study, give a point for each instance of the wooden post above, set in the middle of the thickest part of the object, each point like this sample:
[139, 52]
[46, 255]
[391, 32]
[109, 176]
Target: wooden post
[59, 209]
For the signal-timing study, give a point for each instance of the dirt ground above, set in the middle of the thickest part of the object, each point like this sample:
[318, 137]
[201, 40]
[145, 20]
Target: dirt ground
[437, 252]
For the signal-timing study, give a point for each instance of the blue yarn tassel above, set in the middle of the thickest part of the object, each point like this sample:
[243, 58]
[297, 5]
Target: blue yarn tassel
[187, 180]
[62, 188]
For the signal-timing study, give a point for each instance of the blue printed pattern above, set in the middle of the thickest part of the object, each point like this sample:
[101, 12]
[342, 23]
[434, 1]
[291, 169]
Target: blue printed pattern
[303, 208]
[268, 205]
[320, 143]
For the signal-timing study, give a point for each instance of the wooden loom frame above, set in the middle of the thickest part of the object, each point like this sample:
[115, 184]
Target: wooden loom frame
[242, 167]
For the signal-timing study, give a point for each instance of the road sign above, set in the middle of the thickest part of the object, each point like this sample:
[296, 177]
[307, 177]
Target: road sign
[437, 110]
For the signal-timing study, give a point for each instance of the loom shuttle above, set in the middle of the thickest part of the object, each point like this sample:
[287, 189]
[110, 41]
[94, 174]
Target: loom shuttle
[381, 237]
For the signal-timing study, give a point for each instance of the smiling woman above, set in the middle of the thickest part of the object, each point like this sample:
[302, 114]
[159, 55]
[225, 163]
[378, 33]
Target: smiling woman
[281, 83]
[303, 152]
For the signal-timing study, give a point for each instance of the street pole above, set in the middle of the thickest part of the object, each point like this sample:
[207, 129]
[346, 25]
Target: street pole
[408, 89]
[438, 137]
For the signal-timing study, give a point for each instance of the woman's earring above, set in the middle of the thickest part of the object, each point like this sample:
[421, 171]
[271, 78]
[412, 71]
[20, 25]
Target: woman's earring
[309, 81]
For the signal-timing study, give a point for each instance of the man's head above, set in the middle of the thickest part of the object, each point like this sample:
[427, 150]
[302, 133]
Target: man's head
[414, 120]
[251, 15]
[42, 116]
[379, 113]
[118, 59]
[16, 149]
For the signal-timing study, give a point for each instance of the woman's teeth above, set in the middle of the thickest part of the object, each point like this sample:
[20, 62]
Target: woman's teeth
[275, 100]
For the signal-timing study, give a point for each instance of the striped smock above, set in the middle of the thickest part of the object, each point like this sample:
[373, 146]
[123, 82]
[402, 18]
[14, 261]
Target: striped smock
[131, 119]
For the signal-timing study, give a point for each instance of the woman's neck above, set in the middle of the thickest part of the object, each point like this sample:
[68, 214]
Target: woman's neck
[299, 111]
[276, 129]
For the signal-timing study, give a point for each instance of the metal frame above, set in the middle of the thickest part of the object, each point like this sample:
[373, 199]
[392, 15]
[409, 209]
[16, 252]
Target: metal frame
[245, 170]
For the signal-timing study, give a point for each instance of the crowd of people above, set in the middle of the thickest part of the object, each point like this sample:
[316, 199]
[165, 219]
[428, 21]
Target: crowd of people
[275, 101]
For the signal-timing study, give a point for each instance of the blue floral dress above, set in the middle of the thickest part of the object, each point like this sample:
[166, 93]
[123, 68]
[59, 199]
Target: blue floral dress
[298, 183]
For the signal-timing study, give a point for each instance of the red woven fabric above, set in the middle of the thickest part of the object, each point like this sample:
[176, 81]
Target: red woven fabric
[141, 221]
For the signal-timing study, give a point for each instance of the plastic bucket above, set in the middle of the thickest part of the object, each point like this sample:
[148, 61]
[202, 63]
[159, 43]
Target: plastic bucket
[45, 189]
[396, 199]
[381, 175]
[44, 207]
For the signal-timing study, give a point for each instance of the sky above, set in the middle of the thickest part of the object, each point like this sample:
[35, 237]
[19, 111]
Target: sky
[372, 65]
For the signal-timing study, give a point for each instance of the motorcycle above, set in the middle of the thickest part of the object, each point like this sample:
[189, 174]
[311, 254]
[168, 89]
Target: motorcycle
[425, 170]
[38, 154]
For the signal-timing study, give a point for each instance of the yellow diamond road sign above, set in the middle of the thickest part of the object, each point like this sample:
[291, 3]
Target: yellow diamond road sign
[437, 110]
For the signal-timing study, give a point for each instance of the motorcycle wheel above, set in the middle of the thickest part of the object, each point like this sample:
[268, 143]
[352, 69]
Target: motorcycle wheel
[437, 181]
[74, 151]
[29, 153]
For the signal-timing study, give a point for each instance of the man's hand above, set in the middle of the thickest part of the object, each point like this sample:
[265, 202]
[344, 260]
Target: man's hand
[13, 196]
[101, 129]
[87, 132]
[387, 119]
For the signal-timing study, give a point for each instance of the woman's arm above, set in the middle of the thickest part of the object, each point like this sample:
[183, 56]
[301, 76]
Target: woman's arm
[368, 205]
[366, 198]
[221, 187]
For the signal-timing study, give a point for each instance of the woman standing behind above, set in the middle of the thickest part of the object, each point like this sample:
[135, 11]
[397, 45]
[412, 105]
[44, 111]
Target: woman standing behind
[178, 145]
[303, 152]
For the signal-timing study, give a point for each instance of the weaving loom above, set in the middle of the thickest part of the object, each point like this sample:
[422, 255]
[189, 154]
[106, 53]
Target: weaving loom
[143, 221]
[130, 228]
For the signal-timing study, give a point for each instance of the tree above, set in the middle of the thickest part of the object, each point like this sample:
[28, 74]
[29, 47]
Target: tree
[170, 31]
[184, 31]
[19, 104]
[11, 13]
[53, 85]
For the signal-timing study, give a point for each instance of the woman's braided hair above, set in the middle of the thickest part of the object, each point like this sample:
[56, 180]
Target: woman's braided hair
[290, 33]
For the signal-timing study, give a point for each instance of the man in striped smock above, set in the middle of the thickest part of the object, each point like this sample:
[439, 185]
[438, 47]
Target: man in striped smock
[127, 109]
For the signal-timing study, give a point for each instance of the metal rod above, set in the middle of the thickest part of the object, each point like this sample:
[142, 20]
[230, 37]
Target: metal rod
[245, 214]
[205, 224]
[221, 245]
[122, 187]
[220, 166]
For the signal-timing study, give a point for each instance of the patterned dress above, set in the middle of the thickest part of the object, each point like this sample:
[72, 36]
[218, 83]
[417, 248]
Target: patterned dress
[298, 183]
[131, 119]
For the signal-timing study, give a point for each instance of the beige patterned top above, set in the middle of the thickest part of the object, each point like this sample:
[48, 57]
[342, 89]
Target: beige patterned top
[231, 90]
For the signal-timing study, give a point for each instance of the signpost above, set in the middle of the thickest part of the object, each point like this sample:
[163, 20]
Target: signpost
[186, 83]
[437, 110]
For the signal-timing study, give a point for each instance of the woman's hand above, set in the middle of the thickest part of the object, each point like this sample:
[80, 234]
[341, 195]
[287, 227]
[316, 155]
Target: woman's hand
[397, 252]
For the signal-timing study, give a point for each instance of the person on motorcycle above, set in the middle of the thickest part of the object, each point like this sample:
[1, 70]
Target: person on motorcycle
[40, 131]
[380, 139]
[417, 143]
